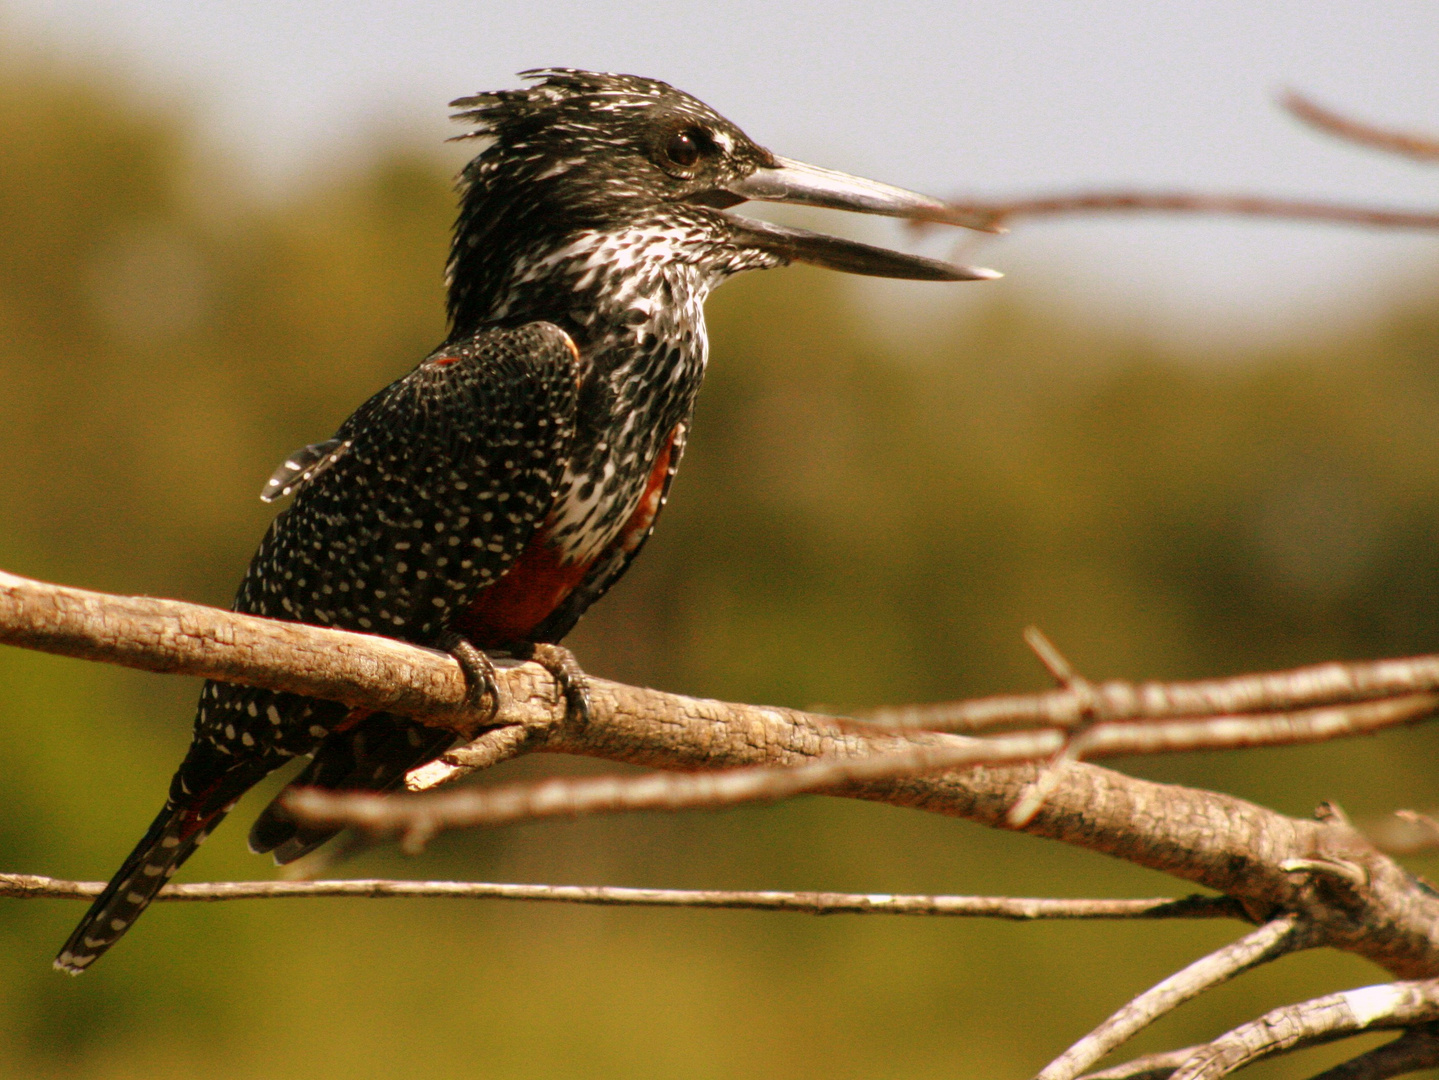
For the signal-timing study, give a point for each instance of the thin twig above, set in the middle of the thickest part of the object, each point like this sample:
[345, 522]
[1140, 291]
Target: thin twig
[1068, 678]
[1370, 1008]
[1148, 1067]
[993, 215]
[31, 886]
[1269, 942]
[418, 818]
[1409, 144]
[1320, 684]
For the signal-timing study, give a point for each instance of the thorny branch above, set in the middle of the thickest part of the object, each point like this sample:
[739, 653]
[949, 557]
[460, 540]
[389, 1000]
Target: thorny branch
[1315, 881]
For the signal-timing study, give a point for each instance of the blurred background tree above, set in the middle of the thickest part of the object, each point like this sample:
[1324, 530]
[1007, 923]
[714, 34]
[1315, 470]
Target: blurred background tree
[864, 518]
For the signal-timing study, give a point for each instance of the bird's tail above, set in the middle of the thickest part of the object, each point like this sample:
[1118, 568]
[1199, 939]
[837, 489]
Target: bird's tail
[372, 755]
[171, 839]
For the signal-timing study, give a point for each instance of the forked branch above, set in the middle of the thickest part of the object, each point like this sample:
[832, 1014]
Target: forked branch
[1268, 862]
[1269, 942]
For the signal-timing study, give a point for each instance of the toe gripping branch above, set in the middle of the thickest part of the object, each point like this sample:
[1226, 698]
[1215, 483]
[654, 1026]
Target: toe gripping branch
[481, 682]
[571, 679]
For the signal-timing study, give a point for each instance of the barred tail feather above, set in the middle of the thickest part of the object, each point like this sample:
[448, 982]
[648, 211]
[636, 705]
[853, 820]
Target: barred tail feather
[172, 838]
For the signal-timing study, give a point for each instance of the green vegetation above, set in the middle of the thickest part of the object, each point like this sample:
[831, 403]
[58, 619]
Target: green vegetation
[860, 521]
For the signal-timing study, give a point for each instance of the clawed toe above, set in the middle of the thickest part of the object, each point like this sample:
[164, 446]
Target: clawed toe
[574, 684]
[481, 682]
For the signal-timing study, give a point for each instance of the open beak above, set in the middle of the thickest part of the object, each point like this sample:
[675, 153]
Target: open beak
[808, 185]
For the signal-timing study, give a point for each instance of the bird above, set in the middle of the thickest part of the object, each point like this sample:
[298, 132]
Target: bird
[482, 502]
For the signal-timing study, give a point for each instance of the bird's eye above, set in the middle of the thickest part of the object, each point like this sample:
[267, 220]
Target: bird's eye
[683, 149]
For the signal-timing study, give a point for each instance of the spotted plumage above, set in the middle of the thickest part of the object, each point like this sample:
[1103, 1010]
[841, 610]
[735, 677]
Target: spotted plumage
[506, 483]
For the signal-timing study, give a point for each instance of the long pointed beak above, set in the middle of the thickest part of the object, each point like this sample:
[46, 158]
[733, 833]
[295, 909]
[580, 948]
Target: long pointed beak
[795, 182]
[849, 256]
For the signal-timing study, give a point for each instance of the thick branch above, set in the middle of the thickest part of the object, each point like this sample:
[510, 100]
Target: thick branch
[35, 887]
[1367, 905]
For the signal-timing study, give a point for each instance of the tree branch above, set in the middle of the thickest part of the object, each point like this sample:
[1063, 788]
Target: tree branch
[36, 887]
[1371, 1008]
[1409, 144]
[1266, 860]
[1269, 942]
[994, 215]
[418, 818]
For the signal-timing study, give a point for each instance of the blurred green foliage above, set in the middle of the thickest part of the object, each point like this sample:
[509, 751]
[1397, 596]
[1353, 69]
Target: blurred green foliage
[861, 520]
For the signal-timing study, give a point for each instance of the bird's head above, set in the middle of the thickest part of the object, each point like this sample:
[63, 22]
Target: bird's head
[586, 154]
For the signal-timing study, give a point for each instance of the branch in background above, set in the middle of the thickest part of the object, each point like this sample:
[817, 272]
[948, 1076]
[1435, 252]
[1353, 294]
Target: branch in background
[994, 215]
[1409, 144]
[1269, 942]
[35, 887]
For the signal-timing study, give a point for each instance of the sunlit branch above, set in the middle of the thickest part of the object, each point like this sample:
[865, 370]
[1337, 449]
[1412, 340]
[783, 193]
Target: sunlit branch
[1148, 1067]
[1371, 1008]
[1269, 862]
[419, 817]
[1269, 942]
[35, 887]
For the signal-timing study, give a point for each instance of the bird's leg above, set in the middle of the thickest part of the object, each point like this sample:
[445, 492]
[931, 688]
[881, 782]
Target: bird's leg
[574, 684]
[480, 678]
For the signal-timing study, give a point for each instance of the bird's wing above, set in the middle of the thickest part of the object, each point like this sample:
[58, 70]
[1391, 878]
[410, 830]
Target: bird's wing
[301, 467]
[429, 491]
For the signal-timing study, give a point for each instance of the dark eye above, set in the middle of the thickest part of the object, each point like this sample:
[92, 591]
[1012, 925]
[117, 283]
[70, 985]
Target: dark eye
[683, 149]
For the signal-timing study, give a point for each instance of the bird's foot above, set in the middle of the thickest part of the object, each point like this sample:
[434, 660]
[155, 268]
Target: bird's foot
[481, 682]
[574, 684]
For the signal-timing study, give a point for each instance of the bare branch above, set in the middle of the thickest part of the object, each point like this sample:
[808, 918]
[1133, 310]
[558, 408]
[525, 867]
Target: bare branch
[361, 670]
[31, 886]
[1370, 1008]
[1269, 942]
[1320, 684]
[1213, 840]
[1409, 144]
[418, 819]
[994, 215]
[1417, 1048]
[1148, 1067]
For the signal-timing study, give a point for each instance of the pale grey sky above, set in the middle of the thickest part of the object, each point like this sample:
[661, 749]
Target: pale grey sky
[945, 96]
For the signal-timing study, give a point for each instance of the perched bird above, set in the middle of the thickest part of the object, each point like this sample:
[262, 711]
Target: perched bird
[490, 496]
